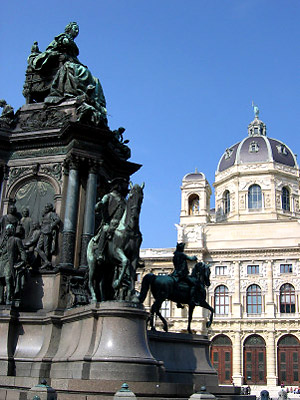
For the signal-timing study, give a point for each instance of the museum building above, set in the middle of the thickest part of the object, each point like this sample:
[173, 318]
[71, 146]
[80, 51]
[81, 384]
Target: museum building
[251, 240]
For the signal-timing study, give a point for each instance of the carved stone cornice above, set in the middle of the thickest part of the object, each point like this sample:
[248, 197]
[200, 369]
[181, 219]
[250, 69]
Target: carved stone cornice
[253, 253]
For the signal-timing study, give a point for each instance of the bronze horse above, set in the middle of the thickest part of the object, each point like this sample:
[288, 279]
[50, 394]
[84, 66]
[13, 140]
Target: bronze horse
[165, 287]
[114, 278]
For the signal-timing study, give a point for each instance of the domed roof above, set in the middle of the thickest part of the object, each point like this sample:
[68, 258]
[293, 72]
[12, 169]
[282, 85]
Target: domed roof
[194, 176]
[257, 148]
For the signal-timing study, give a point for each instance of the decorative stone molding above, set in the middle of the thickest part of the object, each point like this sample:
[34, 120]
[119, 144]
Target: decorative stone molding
[53, 170]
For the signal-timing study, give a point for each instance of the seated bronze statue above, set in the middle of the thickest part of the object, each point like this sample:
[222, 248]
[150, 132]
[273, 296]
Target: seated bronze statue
[56, 75]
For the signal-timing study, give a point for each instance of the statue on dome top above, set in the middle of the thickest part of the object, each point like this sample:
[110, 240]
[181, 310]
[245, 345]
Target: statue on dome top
[255, 109]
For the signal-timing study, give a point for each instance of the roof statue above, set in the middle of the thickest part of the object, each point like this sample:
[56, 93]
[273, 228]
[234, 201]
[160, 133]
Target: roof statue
[56, 75]
[7, 115]
[255, 109]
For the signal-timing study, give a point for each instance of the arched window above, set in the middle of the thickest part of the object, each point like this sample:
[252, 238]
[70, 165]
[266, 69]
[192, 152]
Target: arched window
[285, 199]
[226, 202]
[254, 197]
[194, 204]
[221, 300]
[254, 299]
[287, 298]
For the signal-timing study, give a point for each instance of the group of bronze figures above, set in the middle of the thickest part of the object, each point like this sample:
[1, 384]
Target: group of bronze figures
[112, 255]
[52, 77]
[25, 245]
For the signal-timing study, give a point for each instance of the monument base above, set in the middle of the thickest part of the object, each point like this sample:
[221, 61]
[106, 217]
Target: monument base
[92, 350]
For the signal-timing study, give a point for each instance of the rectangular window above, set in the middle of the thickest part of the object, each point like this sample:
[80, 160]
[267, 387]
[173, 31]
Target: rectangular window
[252, 269]
[166, 309]
[221, 270]
[286, 268]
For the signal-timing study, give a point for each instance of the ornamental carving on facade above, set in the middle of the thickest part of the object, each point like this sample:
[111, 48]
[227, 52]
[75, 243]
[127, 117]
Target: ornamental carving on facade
[285, 168]
[54, 170]
[253, 167]
[16, 173]
[45, 119]
[46, 151]
[242, 202]
[278, 200]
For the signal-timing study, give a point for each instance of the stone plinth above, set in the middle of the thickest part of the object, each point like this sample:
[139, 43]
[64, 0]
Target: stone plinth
[111, 344]
[104, 341]
[185, 357]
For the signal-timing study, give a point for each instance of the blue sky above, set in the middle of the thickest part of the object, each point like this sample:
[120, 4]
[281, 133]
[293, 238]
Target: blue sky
[180, 76]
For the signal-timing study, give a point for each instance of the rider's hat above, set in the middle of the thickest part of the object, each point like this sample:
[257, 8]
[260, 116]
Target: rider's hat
[116, 181]
[180, 246]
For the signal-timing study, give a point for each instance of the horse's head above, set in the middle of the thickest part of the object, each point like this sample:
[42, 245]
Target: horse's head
[201, 271]
[134, 203]
[136, 194]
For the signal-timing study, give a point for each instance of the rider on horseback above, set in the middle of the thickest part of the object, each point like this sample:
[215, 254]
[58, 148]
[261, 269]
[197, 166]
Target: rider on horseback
[181, 272]
[111, 207]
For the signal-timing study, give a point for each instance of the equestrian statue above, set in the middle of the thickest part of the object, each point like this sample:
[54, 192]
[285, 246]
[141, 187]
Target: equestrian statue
[113, 253]
[179, 287]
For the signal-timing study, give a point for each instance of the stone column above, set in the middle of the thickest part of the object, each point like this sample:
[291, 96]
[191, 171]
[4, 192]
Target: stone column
[270, 305]
[236, 298]
[71, 211]
[271, 359]
[237, 368]
[89, 214]
[5, 173]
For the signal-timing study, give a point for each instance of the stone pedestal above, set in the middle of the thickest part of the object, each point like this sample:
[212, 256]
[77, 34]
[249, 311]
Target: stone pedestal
[185, 357]
[110, 344]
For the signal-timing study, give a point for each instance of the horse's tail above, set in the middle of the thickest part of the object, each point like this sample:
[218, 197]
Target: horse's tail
[147, 281]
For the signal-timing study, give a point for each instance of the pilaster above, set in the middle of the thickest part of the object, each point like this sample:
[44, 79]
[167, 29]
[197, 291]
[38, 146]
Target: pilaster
[270, 305]
[237, 375]
[236, 303]
[271, 359]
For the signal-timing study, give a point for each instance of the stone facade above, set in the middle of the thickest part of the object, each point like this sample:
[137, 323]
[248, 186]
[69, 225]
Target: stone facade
[251, 240]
